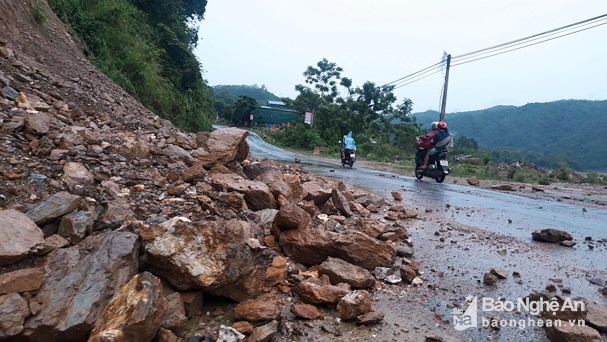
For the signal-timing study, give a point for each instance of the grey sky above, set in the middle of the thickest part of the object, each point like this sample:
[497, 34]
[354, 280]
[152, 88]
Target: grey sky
[272, 42]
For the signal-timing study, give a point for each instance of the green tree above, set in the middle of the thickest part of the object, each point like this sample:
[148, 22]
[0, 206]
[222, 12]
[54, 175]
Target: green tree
[242, 109]
[146, 48]
[325, 78]
[370, 111]
[464, 142]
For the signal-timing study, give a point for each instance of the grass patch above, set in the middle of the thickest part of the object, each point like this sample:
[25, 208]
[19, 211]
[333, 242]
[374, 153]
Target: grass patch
[39, 12]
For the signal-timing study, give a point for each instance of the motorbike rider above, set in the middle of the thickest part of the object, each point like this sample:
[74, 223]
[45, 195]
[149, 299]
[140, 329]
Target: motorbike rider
[347, 144]
[424, 142]
[440, 141]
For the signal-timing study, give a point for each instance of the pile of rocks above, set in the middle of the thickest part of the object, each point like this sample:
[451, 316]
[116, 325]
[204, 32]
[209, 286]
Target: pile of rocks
[111, 234]
[114, 224]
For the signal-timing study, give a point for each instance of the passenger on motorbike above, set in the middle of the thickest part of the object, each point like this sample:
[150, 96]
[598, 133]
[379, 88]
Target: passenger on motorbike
[440, 142]
[424, 142]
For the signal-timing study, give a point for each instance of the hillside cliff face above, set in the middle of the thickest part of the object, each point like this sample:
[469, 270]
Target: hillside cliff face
[43, 60]
[114, 224]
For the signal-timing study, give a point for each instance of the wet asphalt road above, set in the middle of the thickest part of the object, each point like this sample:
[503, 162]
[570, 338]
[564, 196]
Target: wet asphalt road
[463, 233]
[494, 208]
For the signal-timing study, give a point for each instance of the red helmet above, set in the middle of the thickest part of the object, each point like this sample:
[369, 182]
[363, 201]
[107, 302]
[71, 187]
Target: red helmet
[442, 125]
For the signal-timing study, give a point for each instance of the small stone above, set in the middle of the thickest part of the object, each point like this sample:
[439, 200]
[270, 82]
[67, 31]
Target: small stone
[568, 243]
[489, 279]
[243, 327]
[551, 288]
[501, 274]
[305, 311]
[372, 317]
[397, 196]
[417, 281]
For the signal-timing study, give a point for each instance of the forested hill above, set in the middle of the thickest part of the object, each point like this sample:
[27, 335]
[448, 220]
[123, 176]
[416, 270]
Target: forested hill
[145, 46]
[230, 93]
[545, 133]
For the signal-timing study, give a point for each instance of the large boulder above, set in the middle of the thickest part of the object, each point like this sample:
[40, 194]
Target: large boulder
[264, 308]
[76, 174]
[23, 280]
[354, 304]
[276, 182]
[340, 271]
[53, 207]
[80, 281]
[315, 291]
[134, 314]
[19, 236]
[254, 169]
[292, 216]
[597, 316]
[312, 246]
[314, 191]
[212, 256]
[257, 194]
[13, 310]
[223, 146]
[341, 203]
[571, 332]
[134, 149]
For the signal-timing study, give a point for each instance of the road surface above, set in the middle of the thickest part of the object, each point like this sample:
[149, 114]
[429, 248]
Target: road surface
[463, 232]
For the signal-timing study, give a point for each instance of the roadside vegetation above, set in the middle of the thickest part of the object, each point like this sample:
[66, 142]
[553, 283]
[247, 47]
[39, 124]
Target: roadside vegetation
[477, 163]
[382, 128]
[145, 46]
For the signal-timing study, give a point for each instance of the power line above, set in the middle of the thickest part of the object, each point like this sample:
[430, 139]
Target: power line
[543, 41]
[518, 42]
[493, 50]
[533, 36]
[433, 66]
[417, 79]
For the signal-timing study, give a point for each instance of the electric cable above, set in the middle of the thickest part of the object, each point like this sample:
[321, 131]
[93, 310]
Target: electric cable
[508, 46]
[427, 69]
[543, 41]
[535, 36]
[497, 50]
[417, 79]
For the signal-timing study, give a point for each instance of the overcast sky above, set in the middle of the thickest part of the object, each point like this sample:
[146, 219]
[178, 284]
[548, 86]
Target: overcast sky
[272, 42]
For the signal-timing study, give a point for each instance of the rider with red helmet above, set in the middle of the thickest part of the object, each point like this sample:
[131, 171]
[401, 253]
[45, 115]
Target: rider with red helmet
[441, 140]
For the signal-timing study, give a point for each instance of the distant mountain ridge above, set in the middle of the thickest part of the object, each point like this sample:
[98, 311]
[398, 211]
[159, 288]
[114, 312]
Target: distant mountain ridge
[230, 93]
[549, 133]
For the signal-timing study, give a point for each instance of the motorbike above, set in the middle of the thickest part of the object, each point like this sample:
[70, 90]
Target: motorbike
[348, 157]
[438, 166]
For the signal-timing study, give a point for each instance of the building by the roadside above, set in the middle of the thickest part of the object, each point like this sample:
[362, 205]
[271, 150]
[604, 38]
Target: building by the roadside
[274, 114]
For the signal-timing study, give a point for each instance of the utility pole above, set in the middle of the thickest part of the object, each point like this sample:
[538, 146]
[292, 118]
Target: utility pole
[444, 104]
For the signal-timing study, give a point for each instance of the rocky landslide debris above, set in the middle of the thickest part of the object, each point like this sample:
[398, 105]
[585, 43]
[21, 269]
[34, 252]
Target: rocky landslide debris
[115, 225]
